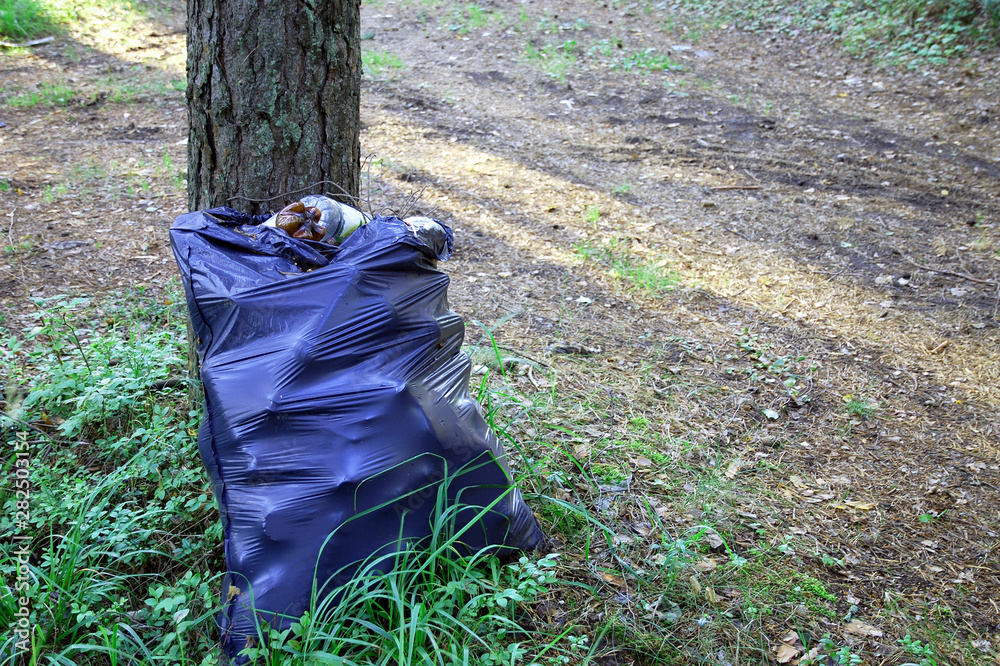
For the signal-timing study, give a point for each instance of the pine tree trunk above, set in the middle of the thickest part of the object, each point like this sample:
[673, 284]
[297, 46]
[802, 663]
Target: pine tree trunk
[273, 101]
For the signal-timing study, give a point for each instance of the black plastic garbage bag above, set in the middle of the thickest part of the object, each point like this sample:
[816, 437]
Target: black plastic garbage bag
[336, 401]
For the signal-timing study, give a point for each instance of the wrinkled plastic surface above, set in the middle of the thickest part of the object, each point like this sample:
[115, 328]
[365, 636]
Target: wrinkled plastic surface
[336, 400]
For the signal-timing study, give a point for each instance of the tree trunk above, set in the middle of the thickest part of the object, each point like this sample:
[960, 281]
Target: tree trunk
[273, 101]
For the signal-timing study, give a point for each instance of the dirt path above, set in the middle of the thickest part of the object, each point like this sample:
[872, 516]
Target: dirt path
[821, 239]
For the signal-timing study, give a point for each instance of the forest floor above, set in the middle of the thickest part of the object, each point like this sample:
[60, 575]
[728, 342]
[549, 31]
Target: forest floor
[757, 279]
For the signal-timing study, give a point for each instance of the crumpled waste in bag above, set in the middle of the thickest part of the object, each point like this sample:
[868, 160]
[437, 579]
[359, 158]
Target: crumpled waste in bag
[319, 218]
[336, 401]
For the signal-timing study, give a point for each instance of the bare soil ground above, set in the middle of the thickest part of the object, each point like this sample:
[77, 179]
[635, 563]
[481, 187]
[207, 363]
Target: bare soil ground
[828, 224]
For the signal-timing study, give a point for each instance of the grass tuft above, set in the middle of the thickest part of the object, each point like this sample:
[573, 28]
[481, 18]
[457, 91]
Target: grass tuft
[647, 274]
[378, 63]
[24, 19]
[427, 603]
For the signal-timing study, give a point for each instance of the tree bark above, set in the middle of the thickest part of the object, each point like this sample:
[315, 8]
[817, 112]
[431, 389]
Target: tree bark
[273, 101]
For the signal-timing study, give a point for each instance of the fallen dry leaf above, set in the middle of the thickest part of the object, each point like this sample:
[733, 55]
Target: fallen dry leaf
[612, 579]
[797, 481]
[705, 565]
[710, 594]
[642, 530]
[785, 653]
[695, 585]
[733, 469]
[859, 628]
[861, 506]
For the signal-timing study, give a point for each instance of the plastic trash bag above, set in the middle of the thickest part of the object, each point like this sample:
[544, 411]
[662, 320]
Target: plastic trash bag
[336, 401]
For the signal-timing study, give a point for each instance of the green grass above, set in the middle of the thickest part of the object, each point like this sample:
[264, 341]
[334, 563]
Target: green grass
[897, 32]
[464, 18]
[378, 63]
[119, 513]
[119, 89]
[24, 19]
[649, 59]
[609, 473]
[47, 94]
[859, 407]
[649, 275]
[556, 60]
[428, 604]
[126, 536]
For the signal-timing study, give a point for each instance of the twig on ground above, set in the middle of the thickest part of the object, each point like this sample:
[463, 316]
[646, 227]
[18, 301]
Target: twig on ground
[724, 188]
[521, 354]
[22, 45]
[961, 261]
[737, 233]
[834, 274]
[941, 271]
[940, 347]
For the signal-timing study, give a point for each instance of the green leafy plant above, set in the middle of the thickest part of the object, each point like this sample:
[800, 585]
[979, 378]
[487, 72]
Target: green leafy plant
[648, 59]
[792, 371]
[925, 653]
[859, 407]
[92, 380]
[906, 32]
[103, 419]
[829, 653]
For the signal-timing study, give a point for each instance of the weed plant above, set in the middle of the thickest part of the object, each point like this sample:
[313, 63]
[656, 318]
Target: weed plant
[859, 407]
[556, 60]
[463, 19]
